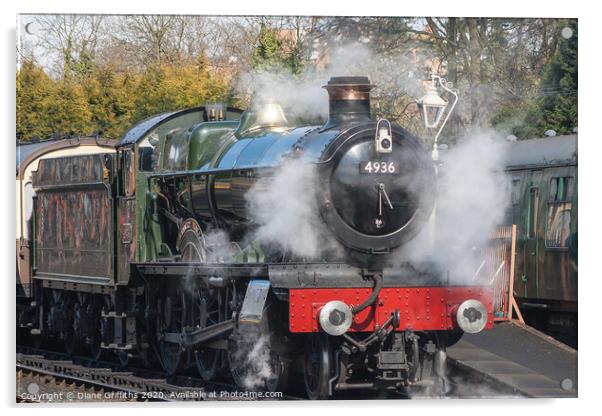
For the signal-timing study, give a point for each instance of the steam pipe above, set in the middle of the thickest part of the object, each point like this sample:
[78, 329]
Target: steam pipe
[378, 284]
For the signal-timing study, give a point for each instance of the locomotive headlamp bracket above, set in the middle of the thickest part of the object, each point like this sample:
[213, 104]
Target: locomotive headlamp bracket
[383, 138]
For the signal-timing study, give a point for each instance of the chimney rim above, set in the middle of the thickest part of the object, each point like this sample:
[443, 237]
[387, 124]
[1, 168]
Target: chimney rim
[349, 81]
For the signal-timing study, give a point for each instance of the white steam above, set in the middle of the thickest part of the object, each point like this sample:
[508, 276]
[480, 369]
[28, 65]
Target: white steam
[256, 365]
[471, 203]
[219, 247]
[284, 209]
[302, 95]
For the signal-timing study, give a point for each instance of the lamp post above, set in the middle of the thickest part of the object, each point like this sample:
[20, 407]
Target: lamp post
[432, 107]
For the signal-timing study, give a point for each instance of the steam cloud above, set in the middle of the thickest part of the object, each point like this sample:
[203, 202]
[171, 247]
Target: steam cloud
[220, 248]
[471, 199]
[255, 364]
[302, 95]
[471, 202]
[284, 208]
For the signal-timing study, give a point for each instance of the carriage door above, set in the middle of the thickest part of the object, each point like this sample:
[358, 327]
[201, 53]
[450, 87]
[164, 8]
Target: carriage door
[533, 231]
[126, 214]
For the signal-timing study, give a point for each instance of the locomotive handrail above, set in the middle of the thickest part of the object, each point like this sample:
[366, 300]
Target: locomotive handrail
[178, 173]
[342, 133]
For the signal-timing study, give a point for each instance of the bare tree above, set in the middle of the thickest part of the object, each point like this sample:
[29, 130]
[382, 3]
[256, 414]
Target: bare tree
[68, 39]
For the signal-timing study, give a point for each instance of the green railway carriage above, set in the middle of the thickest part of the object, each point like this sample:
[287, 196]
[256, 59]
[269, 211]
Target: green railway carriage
[543, 179]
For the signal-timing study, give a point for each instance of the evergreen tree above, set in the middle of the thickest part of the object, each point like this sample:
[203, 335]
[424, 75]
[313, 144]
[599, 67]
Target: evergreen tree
[278, 51]
[110, 101]
[36, 93]
[268, 53]
[69, 112]
[559, 86]
[553, 104]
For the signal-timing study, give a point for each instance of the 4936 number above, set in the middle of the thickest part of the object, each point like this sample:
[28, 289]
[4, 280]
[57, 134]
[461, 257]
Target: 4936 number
[379, 167]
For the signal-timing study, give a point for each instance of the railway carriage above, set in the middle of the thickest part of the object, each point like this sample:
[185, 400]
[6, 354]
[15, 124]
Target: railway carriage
[543, 177]
[28, 156]
[123, 260]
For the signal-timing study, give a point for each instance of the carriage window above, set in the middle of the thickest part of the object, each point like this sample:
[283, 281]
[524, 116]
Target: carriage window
[533, 207]
[515, 191]
[559, 212]
[27, 206]
[561, 189]
[148, 152]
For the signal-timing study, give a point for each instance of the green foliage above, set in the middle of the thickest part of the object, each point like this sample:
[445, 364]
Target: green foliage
[109, 97]
[519, 75]
[559, 86]
[521, 118]
[275, 51]
[553, 104]
[36, 93]
[268, 53]
[102, 100]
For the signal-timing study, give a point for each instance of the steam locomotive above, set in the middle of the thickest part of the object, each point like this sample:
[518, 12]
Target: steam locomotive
[123, 261]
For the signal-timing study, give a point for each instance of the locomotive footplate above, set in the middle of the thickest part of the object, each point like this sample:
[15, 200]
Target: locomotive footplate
[300, 275]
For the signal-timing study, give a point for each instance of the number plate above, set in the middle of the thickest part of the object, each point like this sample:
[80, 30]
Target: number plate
[379, 167]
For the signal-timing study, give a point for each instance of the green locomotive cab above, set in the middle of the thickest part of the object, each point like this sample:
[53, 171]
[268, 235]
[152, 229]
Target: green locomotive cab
[153, 150]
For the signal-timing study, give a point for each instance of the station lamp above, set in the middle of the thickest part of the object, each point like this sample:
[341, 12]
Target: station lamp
[432, 107]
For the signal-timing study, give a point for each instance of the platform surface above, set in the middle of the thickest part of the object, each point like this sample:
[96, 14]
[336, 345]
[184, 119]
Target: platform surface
[531, 363]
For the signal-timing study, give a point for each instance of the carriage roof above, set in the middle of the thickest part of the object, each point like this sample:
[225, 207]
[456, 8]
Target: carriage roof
[541, 152]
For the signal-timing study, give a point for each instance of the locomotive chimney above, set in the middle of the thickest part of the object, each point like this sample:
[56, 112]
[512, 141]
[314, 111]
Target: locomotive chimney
[349, 100]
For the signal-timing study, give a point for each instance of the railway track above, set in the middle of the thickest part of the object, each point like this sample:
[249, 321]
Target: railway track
[44, 376]
[38, 384]
[50, 376]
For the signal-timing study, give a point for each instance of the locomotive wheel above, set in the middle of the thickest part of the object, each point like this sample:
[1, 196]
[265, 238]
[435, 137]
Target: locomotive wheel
[316, 367]
[255, 366]
[280, 367]
[206, 302]
[434, 366]
[207, 308]
[96, 351]
[124, 358]
[71, 340]
[71, 337]
[172, 312]
[191, 242]
[257, 353]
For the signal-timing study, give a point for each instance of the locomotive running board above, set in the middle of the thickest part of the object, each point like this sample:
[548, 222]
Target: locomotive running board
[300, 275]
[232, 270]
[199, 336]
